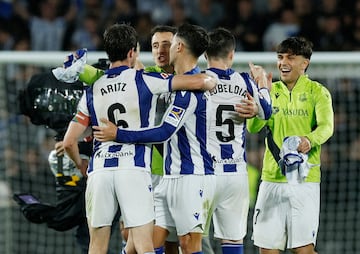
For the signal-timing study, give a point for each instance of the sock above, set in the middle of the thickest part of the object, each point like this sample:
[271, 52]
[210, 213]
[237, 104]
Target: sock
[123, 251]
[159, 250]
[230, 248]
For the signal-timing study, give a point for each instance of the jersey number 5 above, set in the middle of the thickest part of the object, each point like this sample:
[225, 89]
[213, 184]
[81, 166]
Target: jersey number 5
[220, 121]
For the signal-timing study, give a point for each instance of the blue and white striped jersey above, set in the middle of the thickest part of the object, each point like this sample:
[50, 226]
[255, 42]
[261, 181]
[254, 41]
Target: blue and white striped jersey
[226, 137]
[184, 128]
[126, 97]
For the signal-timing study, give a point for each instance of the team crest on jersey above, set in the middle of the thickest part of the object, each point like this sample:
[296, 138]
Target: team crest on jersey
[175, 115]
[164, 75]
[302, 97]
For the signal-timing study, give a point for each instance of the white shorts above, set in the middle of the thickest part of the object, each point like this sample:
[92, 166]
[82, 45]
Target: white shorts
[183, 202]
[231, 206]
[131, 189]
[286, 215]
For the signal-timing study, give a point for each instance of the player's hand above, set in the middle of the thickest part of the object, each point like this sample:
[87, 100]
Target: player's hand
[105, 133]
[83, 167]
[247, 108]
[59, 148]
[305, 145]
[259, 75]
[209, 82]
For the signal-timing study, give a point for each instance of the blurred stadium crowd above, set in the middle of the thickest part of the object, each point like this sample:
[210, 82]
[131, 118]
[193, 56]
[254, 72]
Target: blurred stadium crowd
[258, 25]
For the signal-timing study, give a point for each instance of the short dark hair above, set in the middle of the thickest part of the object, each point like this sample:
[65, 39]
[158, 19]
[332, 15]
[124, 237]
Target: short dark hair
[195, 37]
[163, 29]
[119, 39]
[297, 46]
[221, 43]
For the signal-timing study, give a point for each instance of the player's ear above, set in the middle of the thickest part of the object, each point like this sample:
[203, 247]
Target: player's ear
[131, 53]
[305, 64]
[231, 55]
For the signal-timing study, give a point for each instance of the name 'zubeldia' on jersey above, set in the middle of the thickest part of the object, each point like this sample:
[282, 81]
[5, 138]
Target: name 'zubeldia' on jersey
[228, 88]
[117, 87]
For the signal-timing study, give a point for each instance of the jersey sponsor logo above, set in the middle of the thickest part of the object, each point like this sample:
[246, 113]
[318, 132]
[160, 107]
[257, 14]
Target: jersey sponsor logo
[227, 160]
[109, 155]
[295, 112]
[117, 87]
[175, 115]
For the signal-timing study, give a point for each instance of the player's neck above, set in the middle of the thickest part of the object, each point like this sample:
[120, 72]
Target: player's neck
[185, 65]
[120, 63]
[168, 69]
[218, 64]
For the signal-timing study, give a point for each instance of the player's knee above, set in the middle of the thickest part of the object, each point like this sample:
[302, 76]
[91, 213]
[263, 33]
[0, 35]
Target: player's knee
[190, 243]
[232, 241]
[308, 249]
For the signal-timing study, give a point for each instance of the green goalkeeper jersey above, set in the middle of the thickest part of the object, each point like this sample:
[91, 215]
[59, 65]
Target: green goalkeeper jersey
[305, 111]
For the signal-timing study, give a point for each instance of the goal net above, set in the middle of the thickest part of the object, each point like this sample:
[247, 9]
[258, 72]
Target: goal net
[24, 149]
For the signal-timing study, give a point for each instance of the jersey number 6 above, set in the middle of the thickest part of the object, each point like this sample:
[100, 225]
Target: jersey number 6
[114, 111]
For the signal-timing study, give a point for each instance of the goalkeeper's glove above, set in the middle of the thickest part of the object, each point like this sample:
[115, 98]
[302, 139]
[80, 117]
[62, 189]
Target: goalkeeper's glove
[73, 66]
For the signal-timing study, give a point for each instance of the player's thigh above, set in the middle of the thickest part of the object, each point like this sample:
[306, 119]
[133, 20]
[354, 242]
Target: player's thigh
[269, 221]
[209, 183]
[163, 217]
[142, 237]
[135, 195]
[99, 194]
[231, 207]
[304, 217]
[187, 206]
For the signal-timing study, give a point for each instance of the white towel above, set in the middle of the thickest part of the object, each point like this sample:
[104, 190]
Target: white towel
[73, 66]
[293, 164]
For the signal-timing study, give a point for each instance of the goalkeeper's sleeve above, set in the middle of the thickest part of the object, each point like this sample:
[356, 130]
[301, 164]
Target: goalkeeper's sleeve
[90, 74]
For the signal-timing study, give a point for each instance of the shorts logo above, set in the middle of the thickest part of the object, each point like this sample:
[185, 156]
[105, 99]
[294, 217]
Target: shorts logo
[175, 115]
[196, 215]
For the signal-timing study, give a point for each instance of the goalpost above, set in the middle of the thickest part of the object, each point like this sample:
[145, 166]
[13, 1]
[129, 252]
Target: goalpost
[24, 148]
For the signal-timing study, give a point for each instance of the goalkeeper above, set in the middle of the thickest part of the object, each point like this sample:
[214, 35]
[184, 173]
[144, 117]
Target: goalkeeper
[289, 208]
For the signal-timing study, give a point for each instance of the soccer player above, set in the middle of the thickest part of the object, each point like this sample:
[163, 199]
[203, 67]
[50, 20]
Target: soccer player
[119, 174]
[227, 138]
[180, 202]
[160, 48]
[161, 37]
[287, 214]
